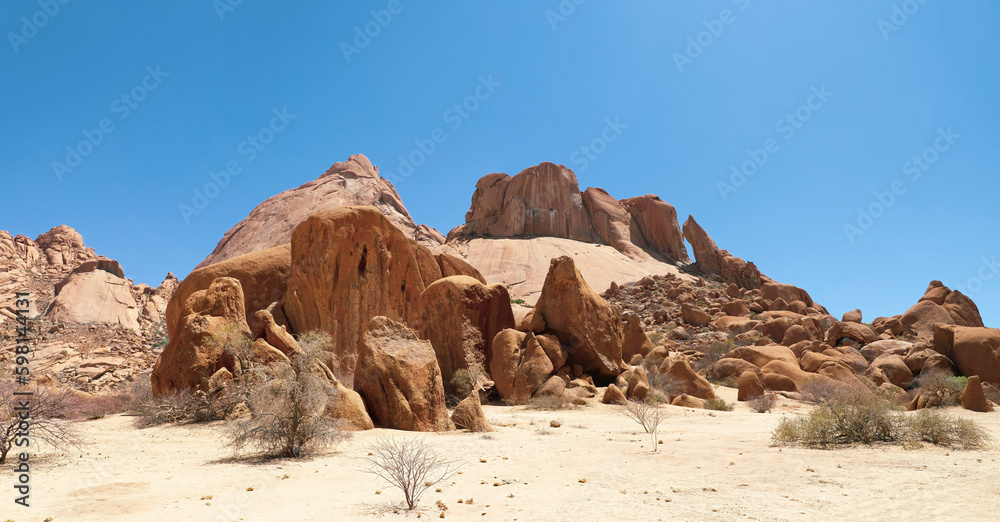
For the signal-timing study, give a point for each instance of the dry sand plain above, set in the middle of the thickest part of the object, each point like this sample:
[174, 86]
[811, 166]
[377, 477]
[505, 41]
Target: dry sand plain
[596, 466]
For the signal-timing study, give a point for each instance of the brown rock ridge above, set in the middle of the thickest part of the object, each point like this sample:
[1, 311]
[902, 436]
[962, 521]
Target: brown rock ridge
[545, 200]
[713, 261]
[346, 183]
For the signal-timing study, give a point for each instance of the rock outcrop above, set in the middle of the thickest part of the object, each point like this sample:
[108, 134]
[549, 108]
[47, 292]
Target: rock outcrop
[349, 265]
[709, 259]
[939, 305]
[398, 378]
[96, 292]
[460, 316]
[582, 320]
[346, 183]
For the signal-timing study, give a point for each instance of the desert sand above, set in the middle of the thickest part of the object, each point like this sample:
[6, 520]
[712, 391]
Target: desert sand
[597, 465]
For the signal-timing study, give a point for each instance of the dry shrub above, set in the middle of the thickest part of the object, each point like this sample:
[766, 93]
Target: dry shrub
[461, 386]
[718, 404]
[662, 387]
[46, 409]
[411, 465]
[946, 389]
[762, 404]
[288, 412]
[717, 350]
[942, 429]
[551, 403]
[647, 414]
[858, 416]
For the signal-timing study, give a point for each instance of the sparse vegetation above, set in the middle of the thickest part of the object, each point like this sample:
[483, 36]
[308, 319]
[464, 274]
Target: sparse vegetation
[46, 410]
[461, 385]
[718, 404]
[717, 350]
[410, 465]
[521, 302]
[858, 416]
[762, 404]
[945, 390]
[647, 414]
[287, 412]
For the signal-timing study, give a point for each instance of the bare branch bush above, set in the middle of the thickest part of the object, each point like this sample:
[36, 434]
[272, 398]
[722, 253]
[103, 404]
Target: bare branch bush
[762, 404]
[46, 417]
[411, 465]
[649, 415]
[288, 412]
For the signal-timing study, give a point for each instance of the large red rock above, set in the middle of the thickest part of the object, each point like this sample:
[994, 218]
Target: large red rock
[542, 200]
[347, 183]
[921, 318]
[611, 221]
[711, 260]
[519, 365]
[656, 221]
[460, 316]
[398, 378]
[976, 351]
[684, 380]
[262, 275]
[582, 320]
[216, 317]
[940, 306]
[349, 265]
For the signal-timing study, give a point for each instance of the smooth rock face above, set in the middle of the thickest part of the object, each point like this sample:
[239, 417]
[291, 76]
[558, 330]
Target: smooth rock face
[398, 378]
[976, 351]
[519, 365]
[95, 295]
[657, 222]
[611, 221]
[460, 316]
[349, 265]
[582, 320]
[543, 200]
[348, 183]
[973, 396]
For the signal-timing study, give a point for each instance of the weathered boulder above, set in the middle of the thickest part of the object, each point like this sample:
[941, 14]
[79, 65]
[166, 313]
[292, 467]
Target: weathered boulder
[973, 396]
[543, 200]
[895, 370]
[683, 380]
[611, 221]
[711, 260]
[854, 316]
[461, 316]
[348, 406]
[613, 395]
[977, 352]
[920, 319]
[759, 356]
[197, 350]
[750, 386]
[468, 415]
[729, 368]
[582, 320]
[694, 316]
[262, 275]
[858, 332]
[398, 378]
[519, 365]
[636, 342]
[349, 265]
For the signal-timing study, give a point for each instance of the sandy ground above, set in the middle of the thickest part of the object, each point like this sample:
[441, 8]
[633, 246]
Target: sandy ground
[597, 465]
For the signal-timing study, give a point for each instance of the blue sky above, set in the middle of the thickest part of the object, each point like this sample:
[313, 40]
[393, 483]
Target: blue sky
[826, 103]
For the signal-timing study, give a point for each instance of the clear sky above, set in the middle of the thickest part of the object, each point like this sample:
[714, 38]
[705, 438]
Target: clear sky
[115, 112]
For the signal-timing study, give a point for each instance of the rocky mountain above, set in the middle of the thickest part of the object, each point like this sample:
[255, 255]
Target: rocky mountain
[346, 183]
[82, 307]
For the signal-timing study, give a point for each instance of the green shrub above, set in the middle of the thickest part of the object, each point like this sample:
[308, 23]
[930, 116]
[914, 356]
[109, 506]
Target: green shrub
[946, 389]
[858, 416]
[718, 404]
